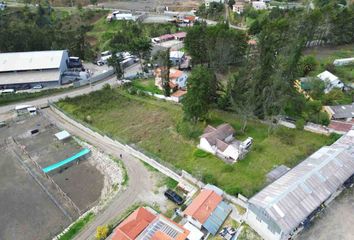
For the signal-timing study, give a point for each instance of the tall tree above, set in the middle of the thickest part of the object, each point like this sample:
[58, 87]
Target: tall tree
[197, 102]
[115, 62]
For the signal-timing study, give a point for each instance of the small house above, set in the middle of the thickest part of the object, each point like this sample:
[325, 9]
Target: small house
[178, 79]
[340, 112]
[178, 95]
[331, 81]
[343, 61]
[177, 57]
[207, 211]
[238, 7]
[145, 223]
[259, 5]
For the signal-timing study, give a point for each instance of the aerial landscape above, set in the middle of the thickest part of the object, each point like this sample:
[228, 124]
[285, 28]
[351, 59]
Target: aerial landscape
[177, 119]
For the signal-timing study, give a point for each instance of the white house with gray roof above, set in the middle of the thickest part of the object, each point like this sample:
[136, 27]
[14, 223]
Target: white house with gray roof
[32, 68]
[289, 203]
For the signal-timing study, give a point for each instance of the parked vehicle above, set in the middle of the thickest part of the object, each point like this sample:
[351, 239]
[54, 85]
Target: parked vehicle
[75, 62]
[8, 91]
[39, 86]
[174, 197]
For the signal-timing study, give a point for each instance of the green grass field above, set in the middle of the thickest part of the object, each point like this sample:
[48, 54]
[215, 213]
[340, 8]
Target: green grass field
[146, 85]
[157, 127]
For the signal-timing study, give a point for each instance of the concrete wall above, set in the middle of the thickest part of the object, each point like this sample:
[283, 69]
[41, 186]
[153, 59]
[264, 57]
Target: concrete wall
[261, 227]
[204, 144]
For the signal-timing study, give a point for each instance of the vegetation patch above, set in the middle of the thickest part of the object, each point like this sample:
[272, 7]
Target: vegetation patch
[18, 97]
[77, 227]
[152, 126]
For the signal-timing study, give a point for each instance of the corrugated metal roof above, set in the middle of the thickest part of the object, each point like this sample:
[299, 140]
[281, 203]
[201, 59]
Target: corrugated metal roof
[343, 111]
[293, 197]
[24, 61]
[217, 218]
[29, 77]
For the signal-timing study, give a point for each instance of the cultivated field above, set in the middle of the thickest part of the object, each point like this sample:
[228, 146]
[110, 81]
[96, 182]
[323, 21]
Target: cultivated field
[157, 127]
[33, 206]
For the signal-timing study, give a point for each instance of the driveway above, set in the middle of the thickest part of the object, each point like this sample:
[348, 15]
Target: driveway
[336, 222]
[140, 186]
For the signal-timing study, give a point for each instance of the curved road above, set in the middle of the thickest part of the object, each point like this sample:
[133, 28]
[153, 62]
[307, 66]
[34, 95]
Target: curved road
[140, 182]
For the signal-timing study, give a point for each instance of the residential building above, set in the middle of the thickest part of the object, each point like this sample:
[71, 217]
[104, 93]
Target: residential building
[126, 16]
[27, 69]
[178, 79]
[343, 61]
[288, 204]
[177, 57]
[239, 6]
[146, 224]
[180, 36]
[331, 81]
[258, 5]
[3, 6]
[207, 2]
[178, 95]
[207, 211]
[220, 141]
[340, 112]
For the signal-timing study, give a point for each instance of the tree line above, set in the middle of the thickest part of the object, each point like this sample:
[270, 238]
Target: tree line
[43, 28]
[263, 83]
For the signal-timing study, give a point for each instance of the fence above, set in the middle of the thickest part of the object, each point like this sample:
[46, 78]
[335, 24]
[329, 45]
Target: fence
[94, 79]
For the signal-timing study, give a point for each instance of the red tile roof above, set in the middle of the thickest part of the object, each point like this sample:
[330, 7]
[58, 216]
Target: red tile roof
[179, 93]
[341, 126]
[133, 225]
[203, 205]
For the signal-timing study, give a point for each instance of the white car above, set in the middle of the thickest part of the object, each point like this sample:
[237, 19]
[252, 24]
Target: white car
[39, 86]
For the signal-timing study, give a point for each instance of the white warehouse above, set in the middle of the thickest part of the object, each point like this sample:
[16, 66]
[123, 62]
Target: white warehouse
[27, 69]
[288, 204]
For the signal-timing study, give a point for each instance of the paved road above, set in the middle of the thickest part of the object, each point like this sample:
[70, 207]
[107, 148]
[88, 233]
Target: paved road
[140, 183]
[72, 93]
[336, 222]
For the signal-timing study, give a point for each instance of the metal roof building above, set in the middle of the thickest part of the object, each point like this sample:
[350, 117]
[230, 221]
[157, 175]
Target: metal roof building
[277, 210]
[45, 67]
[340, 111]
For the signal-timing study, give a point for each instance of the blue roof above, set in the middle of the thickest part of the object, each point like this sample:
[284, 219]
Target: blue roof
[217, 218]
[66, 161]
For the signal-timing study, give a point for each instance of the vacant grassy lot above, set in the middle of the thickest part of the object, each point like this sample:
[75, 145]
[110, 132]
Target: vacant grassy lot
[146, 85]
[156, 127]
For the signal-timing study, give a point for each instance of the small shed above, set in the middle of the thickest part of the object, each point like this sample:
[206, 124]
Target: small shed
[62, 135]
[194, 232]
[277, 173]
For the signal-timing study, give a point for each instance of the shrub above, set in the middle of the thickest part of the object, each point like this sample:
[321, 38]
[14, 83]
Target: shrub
[233, 190]
[228, 168]
[200, 153]
[308, 64]
[209, 178]
[330, 67]
[300, 123]
[285, 136]
[323, 118]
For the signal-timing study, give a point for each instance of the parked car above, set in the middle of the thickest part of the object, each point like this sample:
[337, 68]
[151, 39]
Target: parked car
[39, 86]
[174, 197]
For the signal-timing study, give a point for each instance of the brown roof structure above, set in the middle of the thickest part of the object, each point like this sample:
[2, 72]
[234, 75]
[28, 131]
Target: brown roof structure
[220, 133]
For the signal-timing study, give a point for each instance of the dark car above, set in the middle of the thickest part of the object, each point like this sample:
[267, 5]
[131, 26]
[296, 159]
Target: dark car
[174, 197]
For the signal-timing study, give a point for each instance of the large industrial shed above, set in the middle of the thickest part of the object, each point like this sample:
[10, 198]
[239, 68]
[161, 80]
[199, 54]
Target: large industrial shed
[27, 69]
[289, 203]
